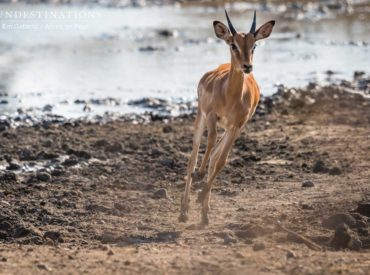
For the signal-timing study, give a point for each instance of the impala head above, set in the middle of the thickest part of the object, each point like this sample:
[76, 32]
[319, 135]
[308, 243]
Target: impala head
[242, 45]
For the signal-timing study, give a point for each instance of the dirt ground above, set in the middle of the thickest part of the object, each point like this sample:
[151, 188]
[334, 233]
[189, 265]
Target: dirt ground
[90, 198]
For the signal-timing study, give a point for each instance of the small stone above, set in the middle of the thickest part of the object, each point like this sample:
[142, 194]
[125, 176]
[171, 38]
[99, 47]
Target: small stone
[3, 259]
[167, 129]
[340, 218]
[335, 171]
[43, 176]
[308, 183]
[13, 166]
[363, 209]
[71, 161]
[342, 236]
[161, 194]
[290, 254]
[259, 246]
[54, 236]
[319, 167]
[43, 266]
[228, 239]
[110, 252]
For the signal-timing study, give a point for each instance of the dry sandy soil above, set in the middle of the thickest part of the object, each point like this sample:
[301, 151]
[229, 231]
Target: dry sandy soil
[90, 198]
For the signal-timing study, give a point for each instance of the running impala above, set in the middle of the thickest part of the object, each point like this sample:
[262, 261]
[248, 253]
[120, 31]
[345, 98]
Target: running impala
[228, 97]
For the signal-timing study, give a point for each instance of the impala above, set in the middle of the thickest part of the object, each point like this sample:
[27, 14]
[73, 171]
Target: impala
[228, 97]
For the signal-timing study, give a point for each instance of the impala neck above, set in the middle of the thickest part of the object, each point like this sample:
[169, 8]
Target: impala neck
[235, 80]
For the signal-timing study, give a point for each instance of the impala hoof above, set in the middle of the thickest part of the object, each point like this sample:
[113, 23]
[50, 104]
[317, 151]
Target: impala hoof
[197, 176]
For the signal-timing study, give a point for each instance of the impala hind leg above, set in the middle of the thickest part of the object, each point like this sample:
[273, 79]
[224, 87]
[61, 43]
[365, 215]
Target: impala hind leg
[211, 141]
[217, 162]
[199, 128]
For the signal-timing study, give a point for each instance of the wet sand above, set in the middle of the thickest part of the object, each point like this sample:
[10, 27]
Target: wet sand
[82, 197]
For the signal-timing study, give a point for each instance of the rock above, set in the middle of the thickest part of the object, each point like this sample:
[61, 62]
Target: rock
[26, 154]
[3, 235]
[110, 252]
[79, 153]
[43, 266]
[167, 129]
[251, 232]
[7, 177]
[21, 232]
[335, 171]
[168, 236]
[290, 254]
[101, 143]
[363, 208]
[229, 239]
[258, 246]
[3, 101]
[122, 207]
[167, 33]
[344, 237]
[358, 74]
[150, 49]
[54, 236]
[108, 237]
[47, 108]
[43, 176]
[58, 171]
[307, 183]
[5, 226]
[71, 161]
[160, 194]
[114, 148]
[13, 166]
[335, 220]
[97, 208]
[319, 167]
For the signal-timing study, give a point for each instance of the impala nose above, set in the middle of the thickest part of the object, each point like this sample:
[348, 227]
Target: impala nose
[247, 68]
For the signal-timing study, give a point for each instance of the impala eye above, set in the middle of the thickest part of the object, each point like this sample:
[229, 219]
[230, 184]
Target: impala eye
[254, 47]
[233, 47]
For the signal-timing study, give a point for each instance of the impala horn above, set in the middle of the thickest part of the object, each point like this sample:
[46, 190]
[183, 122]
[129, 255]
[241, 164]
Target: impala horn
[231, 27]
[253, 28]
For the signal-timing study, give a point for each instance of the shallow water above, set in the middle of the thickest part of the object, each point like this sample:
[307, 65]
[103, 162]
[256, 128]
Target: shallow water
[98, 55]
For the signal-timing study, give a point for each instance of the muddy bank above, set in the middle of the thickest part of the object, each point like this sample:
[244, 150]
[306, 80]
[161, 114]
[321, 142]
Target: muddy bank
[112, 191]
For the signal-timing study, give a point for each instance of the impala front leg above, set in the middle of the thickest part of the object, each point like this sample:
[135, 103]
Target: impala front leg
[199, 128]
[217, 162]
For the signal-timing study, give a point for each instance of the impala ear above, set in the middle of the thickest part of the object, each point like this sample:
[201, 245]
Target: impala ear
[222, 31]
[264, 31]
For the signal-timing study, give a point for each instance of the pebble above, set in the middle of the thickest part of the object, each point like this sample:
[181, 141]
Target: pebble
[340, 218]
[54, 236]
[43, 176]
[13, 166]
[319, 167]
[307, 183]
[344, 237]
[290, 254]
[363, 209]
[161, 194]
[335, 171]
[259, 246]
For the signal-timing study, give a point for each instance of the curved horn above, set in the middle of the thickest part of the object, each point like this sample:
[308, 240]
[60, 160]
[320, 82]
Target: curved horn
[231, 27]
[253, 28]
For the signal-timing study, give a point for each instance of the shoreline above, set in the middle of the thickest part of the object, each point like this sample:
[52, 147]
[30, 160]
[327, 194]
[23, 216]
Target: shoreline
[154, 109]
